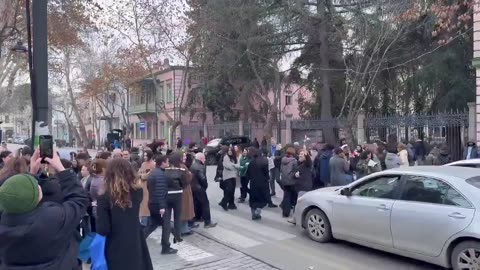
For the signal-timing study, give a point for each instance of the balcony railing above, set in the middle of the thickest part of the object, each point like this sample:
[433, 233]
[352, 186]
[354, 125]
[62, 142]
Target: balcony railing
[142, 108]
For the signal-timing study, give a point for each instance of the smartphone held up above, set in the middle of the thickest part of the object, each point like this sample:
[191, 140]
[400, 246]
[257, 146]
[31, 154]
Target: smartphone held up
[46, 146]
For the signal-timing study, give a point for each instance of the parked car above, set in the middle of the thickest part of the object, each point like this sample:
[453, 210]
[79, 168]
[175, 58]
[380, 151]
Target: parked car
[470, 163]
[426, 213]
[20, 139]
[212, 149]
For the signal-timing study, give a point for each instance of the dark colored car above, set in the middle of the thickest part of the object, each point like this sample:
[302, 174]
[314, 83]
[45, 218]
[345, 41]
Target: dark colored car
[212, 150]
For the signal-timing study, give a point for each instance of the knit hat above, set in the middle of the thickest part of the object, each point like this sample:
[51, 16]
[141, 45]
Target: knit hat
[19, 194]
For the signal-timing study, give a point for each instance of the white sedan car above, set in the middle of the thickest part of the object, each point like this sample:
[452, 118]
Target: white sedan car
[470, 163]
[427, 213]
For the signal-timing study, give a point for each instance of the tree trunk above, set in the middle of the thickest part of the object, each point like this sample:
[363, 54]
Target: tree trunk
[81, 125]
[324, 65]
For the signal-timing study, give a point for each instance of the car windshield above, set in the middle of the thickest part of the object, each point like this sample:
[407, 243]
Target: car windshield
[214, 142]
[474, 181]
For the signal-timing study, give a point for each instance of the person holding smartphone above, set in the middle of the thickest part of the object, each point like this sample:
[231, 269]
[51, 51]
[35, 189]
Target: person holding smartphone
[40, 235]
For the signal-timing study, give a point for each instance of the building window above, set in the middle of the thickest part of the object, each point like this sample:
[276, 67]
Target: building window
[161, 92]
[7, 119]
[169, 91]
[288, 100]
[140, 134]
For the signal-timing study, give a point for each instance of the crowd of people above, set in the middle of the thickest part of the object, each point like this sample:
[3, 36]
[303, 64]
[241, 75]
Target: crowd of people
[48, 205]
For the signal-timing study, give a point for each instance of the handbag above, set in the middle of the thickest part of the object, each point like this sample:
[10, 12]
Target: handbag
[84, 249]
[97, 253]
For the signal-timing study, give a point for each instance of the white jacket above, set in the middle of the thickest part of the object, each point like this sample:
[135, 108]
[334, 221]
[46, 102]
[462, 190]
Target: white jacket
[230, 169]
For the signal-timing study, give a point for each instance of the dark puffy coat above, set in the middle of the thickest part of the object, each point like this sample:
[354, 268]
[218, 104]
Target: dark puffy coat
[304, 181]
[257, 173]
[157, 185]
[125, 247]
[45, 238]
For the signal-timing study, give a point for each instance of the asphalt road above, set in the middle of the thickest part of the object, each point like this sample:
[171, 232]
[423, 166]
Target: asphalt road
[280, 244]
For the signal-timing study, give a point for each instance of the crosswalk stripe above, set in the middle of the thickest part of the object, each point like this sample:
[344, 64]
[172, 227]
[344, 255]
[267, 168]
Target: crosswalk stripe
[251, 226]
[186, 251]
[230, 237]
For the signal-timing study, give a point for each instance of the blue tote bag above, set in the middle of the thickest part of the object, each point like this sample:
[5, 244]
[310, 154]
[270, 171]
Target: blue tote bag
[97, 253]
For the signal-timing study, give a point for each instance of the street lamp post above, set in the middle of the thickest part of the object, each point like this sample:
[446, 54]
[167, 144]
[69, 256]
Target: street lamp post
[38, 66]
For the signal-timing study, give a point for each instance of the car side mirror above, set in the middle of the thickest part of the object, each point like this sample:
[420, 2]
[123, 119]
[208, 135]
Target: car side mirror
[346, 192]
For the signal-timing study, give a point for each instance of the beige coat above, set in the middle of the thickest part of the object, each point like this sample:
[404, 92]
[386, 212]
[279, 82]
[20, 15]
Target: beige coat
[144, 210]
[188, 211]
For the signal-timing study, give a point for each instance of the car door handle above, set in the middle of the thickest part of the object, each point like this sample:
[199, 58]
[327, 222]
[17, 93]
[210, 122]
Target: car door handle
[382, 207]
[457, 215]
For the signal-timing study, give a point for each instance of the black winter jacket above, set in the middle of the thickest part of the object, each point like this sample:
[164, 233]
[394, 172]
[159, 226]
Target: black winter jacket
[157, 185]
[177, 179]
[44, 239]
[199, 180]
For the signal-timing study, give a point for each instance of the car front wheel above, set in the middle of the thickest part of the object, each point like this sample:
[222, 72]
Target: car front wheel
[466, 256]
[318, 226]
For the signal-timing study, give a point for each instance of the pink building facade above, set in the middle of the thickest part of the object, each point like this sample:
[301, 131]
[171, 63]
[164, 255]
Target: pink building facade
[153, 111]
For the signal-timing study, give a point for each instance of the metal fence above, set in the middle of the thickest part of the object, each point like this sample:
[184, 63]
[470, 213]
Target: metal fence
[320, 130]
[450, 128]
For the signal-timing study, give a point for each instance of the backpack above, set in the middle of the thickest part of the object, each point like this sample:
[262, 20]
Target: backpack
[287, 172]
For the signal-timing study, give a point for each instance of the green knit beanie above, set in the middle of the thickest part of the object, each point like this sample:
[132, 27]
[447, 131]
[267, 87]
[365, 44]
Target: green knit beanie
[19, 194]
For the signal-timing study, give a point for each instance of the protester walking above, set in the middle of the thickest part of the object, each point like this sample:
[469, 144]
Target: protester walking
[157, 185]
[275, 172]
[289, 164]
[258, 174]
[230, 172]
[117, 219]
[145, 170]
[303, 177]
[339, 167]
[176, 179]
[199, 189]
[244, 161]
[188, 211]
[37, 235]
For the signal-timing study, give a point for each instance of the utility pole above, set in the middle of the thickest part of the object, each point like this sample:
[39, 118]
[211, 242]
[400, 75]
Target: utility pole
[39, 84]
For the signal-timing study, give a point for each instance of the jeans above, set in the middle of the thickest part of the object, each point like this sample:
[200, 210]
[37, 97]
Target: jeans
[289, 200]
[155, 220]
[184, 228]
[229, 192]
[274, 177]
[174, 203]
[144, 221]
[244, 187]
